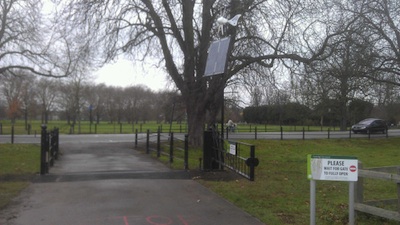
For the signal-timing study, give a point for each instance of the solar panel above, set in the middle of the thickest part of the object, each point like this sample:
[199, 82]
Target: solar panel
[217, 57]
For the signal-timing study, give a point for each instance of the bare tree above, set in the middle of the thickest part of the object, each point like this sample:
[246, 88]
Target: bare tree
[179, 33]
[381, 17]
[46, 93]
[71, 98]
[15, 89]
[28, 42]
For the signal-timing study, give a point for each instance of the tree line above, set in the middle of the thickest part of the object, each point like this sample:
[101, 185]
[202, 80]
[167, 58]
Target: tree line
[293, 113]
[74, 98]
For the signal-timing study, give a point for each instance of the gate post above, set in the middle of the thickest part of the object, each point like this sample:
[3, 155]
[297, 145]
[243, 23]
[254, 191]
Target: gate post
[158, 143]
[148, 142]
[57, 141]
[43, 151]
[211, 153]
[136, 138]
[51, 147]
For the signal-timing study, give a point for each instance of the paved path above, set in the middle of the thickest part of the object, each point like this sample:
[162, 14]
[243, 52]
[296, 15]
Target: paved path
[110, 183]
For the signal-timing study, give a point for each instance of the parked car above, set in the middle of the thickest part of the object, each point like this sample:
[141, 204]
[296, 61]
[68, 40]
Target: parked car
[370, 125]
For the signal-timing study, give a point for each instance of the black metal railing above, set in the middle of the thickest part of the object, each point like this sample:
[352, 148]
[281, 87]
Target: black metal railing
[240, 157]
[256, 133]
[219, 154]
[49, 149]
[166, 145]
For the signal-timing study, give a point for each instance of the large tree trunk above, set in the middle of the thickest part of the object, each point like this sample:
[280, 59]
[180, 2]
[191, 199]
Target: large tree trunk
[196, 122]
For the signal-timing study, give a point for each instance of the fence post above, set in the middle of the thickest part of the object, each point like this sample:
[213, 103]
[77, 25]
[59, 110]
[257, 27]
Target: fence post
[329, 134]
[398, 191]
[1, 128]
[158, 143]
[252, 166]
[255, 132]
[304, 134]
[51, 149]
[120, 128]
[281, 133]
[136, 137]
[43, 150]
[186, 157]
[350, 133]
[171, 148]
[57, 133]
[227, 131]
[148, 142]
[12, 134]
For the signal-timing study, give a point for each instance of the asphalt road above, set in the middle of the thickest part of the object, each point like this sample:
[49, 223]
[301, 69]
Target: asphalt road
[124, 138]
[110, 183]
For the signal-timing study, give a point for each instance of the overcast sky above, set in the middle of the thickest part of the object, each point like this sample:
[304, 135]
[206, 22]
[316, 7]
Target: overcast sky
[124, 73]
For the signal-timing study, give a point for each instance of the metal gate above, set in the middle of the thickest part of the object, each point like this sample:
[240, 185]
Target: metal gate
[236, 156]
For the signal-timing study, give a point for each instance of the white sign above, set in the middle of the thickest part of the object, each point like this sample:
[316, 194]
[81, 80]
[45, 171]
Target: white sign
[232, 148]
[334, 168]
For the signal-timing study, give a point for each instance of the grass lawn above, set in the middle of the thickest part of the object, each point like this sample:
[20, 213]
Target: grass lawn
[23, 161]
[84, 127]
[280, 192]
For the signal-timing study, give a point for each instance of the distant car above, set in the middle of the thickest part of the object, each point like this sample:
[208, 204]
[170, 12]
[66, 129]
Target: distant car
[370, 125]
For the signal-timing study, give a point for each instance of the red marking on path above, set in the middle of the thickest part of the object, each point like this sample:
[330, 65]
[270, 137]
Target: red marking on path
[158, 219]
[126, 220]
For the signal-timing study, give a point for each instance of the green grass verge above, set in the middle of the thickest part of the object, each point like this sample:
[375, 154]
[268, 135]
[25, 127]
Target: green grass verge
[280, 192]
[84, 127]
[17, 163]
